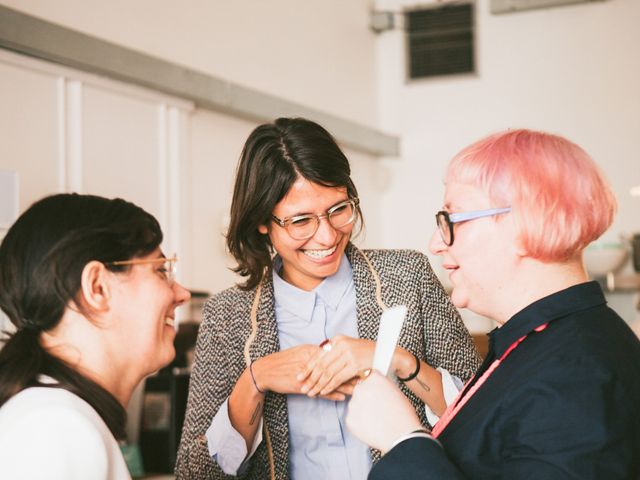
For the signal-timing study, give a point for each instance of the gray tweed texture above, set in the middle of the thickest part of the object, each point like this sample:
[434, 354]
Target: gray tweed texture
[432, 330]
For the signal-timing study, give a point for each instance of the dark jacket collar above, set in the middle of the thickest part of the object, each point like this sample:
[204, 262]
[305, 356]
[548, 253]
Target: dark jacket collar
[547, 309]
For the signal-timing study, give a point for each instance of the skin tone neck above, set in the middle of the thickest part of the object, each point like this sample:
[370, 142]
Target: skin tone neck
[85, 346]
[533, 280]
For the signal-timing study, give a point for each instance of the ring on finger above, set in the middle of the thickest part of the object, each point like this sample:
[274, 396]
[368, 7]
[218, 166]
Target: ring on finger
[363, 374]
[326, 345]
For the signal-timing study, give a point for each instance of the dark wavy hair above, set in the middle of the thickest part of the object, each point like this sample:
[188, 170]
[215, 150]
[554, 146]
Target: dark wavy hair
[274, 156]
[41, 262]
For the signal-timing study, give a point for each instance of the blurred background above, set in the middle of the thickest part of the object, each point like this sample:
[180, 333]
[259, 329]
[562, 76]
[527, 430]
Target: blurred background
[151, 100]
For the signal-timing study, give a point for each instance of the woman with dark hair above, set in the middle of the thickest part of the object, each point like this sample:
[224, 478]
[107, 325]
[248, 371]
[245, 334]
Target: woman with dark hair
[277, 355]
[93, 300]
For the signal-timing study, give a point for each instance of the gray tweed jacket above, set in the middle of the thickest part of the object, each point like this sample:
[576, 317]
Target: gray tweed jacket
[432, 330]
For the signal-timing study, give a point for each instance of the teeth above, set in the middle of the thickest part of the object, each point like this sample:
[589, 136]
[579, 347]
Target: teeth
[320, 253]
[169, 321]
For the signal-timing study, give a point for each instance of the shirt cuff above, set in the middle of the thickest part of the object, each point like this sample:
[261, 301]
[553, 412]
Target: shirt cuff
[226, 446]
[451, 386]
[417, 434]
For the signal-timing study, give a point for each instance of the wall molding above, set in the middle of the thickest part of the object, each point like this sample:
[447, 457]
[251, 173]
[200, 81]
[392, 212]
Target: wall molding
[32, 36]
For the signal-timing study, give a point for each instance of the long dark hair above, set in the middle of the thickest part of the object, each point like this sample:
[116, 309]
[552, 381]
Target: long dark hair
[274, 156]
[41, 262]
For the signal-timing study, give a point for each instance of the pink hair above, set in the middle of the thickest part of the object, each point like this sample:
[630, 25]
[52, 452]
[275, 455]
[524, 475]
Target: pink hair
[559, 197]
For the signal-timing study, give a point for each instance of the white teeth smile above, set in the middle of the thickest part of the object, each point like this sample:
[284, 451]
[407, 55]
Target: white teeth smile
[169, 321]
[319, 253]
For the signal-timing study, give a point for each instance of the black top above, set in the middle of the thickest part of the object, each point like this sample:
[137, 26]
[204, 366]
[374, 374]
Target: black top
[564, 404]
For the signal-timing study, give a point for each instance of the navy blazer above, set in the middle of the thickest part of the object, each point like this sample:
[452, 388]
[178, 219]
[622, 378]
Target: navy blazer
[564, 404]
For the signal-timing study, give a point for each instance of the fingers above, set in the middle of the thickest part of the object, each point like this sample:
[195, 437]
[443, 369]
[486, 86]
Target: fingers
[326, 376]
[347, 387]
[317, 366]
[337, 379]
[338, 365]
[311, 365]
[335, 396]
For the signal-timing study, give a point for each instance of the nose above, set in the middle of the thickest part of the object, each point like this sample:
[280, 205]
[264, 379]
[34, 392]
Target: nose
[326, 234]
[181, 294]
[437, 245]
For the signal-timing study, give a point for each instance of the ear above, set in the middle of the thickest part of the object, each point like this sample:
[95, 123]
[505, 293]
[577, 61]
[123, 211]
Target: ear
[94, 286]
[263, 229]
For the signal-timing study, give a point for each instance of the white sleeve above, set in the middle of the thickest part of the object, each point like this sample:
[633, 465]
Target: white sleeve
[226, 446]
[56, 444]
[451, 386]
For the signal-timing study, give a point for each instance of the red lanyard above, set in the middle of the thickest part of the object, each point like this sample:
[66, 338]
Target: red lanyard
[458, 403]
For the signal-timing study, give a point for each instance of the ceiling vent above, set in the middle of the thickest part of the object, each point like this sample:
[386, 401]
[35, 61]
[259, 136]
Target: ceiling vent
[440, 40]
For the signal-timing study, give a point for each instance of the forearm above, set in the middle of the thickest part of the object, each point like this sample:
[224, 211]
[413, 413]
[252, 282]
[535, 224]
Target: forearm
[426, 385]
[245, 407]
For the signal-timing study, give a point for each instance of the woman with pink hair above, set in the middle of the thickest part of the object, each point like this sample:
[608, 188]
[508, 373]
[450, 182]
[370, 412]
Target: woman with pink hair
[558, 394]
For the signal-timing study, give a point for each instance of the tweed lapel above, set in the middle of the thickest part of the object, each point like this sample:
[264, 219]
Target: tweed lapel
[275, 405]
[367, 308]
[266, 340]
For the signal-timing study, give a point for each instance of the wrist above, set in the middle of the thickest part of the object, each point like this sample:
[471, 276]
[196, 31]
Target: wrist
[410, 367]
[255, 373]
[403, 363]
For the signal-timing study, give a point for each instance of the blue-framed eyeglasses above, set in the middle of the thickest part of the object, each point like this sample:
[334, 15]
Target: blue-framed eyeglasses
[446, 220]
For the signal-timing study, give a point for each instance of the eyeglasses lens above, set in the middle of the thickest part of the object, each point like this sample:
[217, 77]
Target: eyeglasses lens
[342, 215]
[444, 226]
[170, 266]
[304, 227]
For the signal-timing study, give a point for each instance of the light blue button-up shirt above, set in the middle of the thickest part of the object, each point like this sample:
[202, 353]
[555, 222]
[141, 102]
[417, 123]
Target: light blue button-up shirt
[320, 446]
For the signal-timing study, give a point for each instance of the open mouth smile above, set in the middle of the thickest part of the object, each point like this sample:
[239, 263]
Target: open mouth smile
[319, 254]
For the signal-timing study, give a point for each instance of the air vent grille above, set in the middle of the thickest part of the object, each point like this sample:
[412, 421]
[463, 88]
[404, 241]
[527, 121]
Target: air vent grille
[440, 40]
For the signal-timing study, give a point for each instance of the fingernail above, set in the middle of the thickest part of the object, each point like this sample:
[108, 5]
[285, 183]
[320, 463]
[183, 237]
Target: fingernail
[304, 389]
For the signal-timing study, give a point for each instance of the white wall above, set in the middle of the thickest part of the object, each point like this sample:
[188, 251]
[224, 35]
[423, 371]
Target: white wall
[122, 147]
[571, 70]
[317, 52]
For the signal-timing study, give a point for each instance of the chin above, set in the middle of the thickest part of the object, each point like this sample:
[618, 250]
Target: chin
[459, 299]
[167, 357]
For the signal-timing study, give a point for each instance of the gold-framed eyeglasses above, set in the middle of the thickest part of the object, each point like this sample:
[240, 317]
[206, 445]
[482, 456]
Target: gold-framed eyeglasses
[446, 220]
[302, 227]
[168, 265]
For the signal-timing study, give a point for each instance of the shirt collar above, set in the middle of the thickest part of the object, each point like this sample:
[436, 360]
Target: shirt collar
[333, 288]
[557, 305]
[300, 302]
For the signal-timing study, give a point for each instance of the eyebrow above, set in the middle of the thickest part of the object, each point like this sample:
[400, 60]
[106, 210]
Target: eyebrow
[311, 213]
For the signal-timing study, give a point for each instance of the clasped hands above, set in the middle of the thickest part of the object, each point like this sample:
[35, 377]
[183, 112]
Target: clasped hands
[311, 370]
[335, 367]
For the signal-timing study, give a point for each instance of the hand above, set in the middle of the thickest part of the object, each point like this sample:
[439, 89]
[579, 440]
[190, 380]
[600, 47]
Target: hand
[379, 413]
[327, 370]
[277, 372]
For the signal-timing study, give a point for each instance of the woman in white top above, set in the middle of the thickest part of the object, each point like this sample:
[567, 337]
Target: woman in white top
[93, 299]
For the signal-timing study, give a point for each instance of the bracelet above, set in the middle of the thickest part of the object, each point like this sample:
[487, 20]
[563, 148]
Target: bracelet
[415, 373]
[254, 378]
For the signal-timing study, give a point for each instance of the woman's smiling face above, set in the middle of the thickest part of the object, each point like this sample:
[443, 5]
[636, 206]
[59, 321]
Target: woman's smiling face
[484, 254]
[305, 263]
